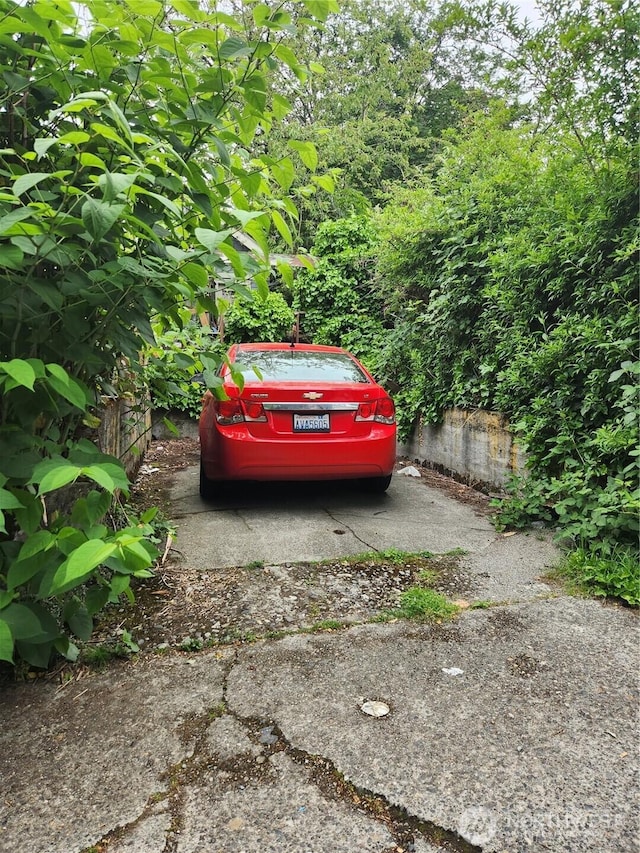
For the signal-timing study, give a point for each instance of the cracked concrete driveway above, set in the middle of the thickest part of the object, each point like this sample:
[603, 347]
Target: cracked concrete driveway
[512, 727]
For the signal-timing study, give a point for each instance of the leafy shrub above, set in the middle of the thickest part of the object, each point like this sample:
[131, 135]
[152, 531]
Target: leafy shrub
[173, 368]
[263, 318]
[122, 187]
[59, 562]
[513, 277]
[338, 301]
[605, 571]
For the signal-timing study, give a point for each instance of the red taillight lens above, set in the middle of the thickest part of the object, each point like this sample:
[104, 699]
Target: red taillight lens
[366, 411]
[386, 413]
[382, 411]
[229, 412]
[254, 412]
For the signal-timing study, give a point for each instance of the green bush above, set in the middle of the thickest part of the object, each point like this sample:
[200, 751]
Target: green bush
[337, 300]
[173, 369]
[263, 318]
[513, 277]
[59, 561]
[122, 185]
[605, 571]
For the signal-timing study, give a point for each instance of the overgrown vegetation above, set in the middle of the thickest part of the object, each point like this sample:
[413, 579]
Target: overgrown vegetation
[260, 319]
[498, 271]
[508, 270]
[603, 570]
[337, 300]
[127, 165]
[173, 365]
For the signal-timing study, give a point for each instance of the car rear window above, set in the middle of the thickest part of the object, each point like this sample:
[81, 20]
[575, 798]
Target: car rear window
[294, 365]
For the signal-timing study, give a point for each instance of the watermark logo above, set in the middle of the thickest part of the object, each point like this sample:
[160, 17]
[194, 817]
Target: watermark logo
[477, 825]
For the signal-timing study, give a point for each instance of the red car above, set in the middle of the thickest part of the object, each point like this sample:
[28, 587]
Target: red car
[305, 412]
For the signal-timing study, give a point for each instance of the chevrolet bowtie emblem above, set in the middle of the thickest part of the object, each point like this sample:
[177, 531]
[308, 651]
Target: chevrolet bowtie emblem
[312, 395]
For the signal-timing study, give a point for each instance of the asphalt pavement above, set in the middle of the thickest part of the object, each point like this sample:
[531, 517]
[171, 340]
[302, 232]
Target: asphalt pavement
[512, 727]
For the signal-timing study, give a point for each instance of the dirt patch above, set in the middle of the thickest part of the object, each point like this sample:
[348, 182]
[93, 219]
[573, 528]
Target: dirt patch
[190, 608]
[151, 487]
[460, 492]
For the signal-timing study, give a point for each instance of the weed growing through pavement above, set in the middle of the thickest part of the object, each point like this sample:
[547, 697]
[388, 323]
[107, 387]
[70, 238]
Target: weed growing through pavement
[422, 603]
[603, 570]
[390, 555]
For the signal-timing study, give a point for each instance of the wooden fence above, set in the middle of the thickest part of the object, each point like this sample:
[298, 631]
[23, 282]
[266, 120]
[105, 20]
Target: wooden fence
[125, 430]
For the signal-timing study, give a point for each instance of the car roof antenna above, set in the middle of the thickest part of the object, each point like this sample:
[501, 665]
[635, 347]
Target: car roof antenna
[294, 334]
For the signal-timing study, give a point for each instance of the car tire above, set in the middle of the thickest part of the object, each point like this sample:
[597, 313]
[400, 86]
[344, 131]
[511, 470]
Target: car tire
[207, 486]
[377, 485]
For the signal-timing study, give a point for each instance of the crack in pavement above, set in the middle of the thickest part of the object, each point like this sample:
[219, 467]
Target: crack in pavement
[351, 530]
[268, 737]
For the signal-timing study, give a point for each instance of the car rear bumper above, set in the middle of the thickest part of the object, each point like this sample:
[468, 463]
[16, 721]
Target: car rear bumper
[241, 457]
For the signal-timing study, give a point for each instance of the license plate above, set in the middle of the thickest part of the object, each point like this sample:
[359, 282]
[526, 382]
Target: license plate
[311, 423]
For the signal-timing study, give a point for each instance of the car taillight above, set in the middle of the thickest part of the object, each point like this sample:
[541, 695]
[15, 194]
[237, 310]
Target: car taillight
[255, 412]
[229, 412]
[382, 411]
[386, 413]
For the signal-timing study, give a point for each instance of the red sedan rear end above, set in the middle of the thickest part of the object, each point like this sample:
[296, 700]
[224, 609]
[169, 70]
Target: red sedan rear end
[305, 412]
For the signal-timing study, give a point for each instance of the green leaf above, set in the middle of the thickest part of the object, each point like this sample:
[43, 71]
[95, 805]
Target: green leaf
[196, 273]
[81, 623]
[234, 48]
[20, 371]
[9, 500]
[67, 386]
[284, 172]
[280, 106]
[211, 239]
[120, 584]
[282, 227]
[26, 182]
[11, 257]
[79, 565]
[67, 649]
[36, 654]
[75, 137]
[31, 622]
[13, 217]
[99, 217]
[6, 642]
[60, 475]
[96, 598]
[114, 183]
[325, 182]
[286, 273]
[98, 474]
[35, 544]
[307, 153]
[321, 8]
[21, 571]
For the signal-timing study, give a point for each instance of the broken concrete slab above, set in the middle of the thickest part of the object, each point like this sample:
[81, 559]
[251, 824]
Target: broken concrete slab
[537, 738]
[92, 755]
[280, 810]
[510, 728]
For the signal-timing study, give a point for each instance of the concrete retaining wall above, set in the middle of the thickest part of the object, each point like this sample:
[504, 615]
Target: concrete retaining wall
[472, 444]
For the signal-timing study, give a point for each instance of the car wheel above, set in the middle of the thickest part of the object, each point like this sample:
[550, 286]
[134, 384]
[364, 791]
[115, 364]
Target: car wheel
[207, 486]
[377, 485]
